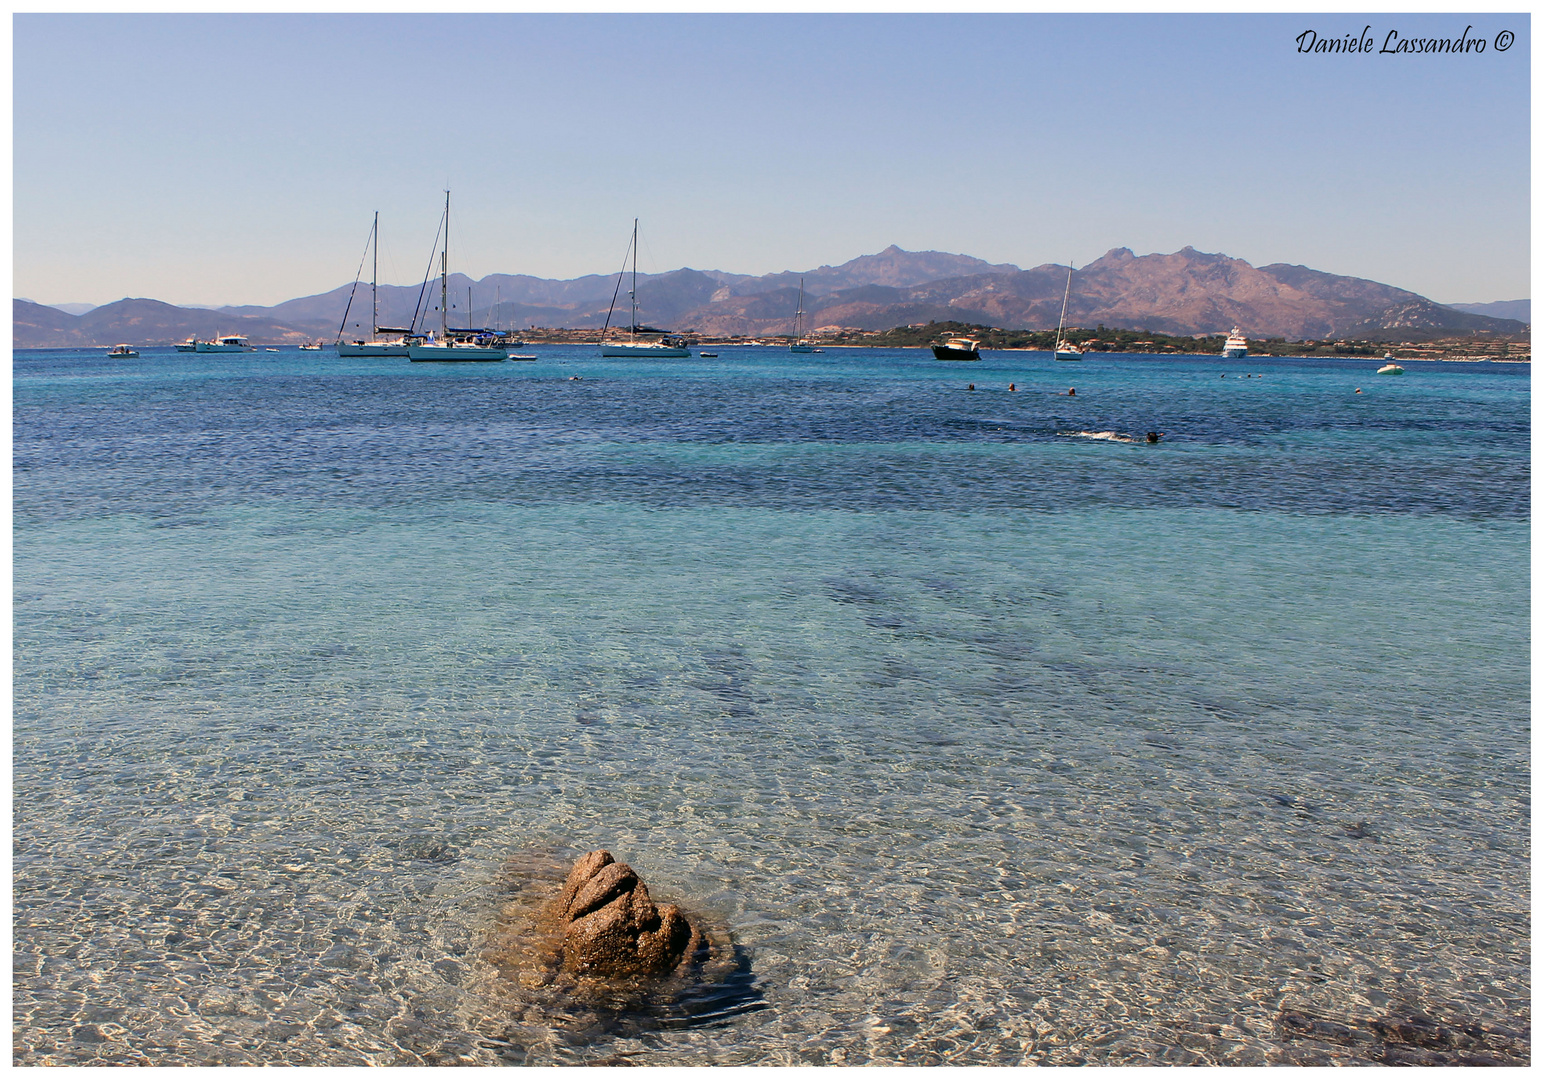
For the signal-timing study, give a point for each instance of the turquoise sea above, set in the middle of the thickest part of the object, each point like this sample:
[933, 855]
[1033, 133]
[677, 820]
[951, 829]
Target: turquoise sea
[989, 738]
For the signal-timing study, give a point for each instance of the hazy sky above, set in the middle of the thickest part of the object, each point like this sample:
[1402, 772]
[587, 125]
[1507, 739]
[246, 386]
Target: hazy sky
[238, 159]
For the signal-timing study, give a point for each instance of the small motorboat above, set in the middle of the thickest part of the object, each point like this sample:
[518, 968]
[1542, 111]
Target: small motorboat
[958, 348]
[708, 355]
[311, 348]
[122, 352]
[1390, 368]
[522, 356]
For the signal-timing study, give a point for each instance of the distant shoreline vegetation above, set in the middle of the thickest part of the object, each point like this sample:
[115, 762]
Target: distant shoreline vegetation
[1100, 339]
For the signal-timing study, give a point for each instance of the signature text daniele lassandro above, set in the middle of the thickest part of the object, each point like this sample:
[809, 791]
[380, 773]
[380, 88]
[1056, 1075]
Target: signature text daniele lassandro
[1310, 41]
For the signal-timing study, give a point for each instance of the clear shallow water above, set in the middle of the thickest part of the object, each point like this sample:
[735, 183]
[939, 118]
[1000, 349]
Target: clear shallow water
[989, 743]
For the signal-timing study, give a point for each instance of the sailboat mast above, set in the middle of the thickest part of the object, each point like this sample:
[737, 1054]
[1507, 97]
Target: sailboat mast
[634, 293]
[444, 269]
[1065, 295]
[375, 266]
[798, 316]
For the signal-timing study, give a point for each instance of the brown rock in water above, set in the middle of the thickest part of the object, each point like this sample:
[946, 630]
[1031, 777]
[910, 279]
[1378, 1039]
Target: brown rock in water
[1411, 1038]
[610, 927]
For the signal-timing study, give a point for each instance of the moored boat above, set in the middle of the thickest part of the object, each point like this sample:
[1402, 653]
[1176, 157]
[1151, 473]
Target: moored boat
[1237, 345]
[958, 348]
[224, 343]
[394, 345]
[1064, 350]
[456, 350]
[1390, 366]
[446, 348]
[190, 345]
[799, 345]
[669, 345]
[372, 348]
[123, 352]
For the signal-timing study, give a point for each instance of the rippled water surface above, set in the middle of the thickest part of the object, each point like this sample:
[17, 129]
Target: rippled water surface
[988, 741]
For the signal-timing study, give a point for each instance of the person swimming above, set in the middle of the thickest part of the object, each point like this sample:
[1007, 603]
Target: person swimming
[1154, 436]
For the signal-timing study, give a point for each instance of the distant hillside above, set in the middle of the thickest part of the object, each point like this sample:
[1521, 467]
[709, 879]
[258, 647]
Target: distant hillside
[35, 326]
[1499, 309]
[68, 309]
[1187, 292]
[138, 322]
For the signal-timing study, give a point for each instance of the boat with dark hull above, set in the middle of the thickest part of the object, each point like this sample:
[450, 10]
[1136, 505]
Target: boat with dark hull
[958, 349]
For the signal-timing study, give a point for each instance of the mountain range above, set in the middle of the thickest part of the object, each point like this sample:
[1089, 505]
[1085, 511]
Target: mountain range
[1186, 292]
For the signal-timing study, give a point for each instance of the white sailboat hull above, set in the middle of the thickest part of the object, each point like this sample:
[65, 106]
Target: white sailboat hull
[643, 350]
[433, 351]
[372, 348]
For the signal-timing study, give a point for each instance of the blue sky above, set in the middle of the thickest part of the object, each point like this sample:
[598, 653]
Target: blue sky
[238, 159]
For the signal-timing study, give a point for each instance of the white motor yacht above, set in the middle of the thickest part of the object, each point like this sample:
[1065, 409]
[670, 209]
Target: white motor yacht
[1237, 345]
[227, 343]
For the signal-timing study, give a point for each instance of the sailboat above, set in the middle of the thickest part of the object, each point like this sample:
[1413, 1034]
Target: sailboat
[799, 344]
[376, 346]
[669, 345]
[480, 348]
[1065, 351]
